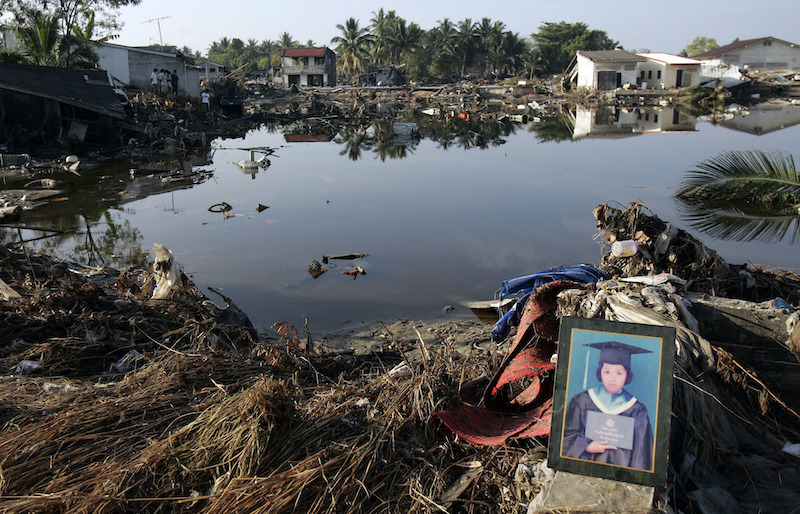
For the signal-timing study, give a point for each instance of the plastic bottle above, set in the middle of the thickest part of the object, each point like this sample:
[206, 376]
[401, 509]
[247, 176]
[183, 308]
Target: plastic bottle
[625, 248]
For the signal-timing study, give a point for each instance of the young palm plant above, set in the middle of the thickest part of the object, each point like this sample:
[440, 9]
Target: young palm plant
[743, 196]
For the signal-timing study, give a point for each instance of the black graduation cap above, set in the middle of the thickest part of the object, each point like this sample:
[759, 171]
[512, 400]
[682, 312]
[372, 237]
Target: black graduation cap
[614, 352]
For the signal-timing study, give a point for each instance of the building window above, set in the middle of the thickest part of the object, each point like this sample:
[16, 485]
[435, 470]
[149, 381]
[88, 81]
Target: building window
[319, 61]
[658, 74]
[767, 43]
[630, 67]
[655, 118]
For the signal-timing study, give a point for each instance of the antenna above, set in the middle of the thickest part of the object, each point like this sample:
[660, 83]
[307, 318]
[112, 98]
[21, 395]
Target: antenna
[158, 21]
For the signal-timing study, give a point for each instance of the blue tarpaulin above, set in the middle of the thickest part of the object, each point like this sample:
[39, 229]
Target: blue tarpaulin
[526, 284]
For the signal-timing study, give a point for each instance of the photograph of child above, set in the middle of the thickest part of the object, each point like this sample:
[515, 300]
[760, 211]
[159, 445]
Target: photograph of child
[610, 396]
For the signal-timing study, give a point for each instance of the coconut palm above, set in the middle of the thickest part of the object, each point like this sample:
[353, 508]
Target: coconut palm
[285, 41]
[353, 47]
[381, 22]
[41, 38]
[743, 196]
[466, 39]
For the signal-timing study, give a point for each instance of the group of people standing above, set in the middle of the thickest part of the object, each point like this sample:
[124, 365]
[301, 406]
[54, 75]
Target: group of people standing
[162, 81]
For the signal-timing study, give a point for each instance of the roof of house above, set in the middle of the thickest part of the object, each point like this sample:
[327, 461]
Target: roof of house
[305, 52]
[739, 44]
[668, 58]
[87, 89]
[610, 56]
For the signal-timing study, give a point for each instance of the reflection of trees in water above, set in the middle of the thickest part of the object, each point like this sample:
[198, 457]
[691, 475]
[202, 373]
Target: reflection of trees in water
[354, 140]
[743, 196]
[101, 239]
[446, 132]
[552, 128]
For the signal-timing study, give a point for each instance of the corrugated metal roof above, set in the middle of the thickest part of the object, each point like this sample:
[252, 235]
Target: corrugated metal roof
[305, 52]
[611, 56]
[668, 58]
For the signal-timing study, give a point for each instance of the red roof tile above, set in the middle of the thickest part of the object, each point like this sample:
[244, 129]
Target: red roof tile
[304, 52]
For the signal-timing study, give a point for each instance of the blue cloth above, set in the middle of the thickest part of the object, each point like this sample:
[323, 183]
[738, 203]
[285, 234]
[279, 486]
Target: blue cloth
[526, 284]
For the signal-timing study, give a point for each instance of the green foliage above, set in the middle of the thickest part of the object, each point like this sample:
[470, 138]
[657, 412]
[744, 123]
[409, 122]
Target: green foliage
[352, 47]
[699, 45]
[61, 32]
[744, 196]
[556, 44]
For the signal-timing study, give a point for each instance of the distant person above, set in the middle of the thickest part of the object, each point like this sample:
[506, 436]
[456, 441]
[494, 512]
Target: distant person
[205, 98]
[154, 80]
[161, 80]
[613, 372]
[175, 82]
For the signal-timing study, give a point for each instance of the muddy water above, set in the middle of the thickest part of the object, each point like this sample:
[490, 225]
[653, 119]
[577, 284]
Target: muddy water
[441, 223]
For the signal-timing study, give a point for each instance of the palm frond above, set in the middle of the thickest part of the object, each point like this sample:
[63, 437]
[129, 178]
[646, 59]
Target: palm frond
[743, 196]
[739, 175]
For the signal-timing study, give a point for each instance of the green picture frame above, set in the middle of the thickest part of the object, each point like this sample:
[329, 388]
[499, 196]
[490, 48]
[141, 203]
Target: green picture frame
[590, 351]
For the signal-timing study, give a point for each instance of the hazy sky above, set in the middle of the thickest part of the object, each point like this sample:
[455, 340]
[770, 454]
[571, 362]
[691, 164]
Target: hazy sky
[659, 27]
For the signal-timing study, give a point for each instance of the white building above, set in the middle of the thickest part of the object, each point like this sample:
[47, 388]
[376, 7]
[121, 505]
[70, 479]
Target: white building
[309, 67]
[666, 71]
[133, 66]
[760, 54]
[604, 69]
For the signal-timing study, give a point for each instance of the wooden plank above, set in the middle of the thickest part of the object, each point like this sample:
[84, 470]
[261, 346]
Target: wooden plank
[7, 292]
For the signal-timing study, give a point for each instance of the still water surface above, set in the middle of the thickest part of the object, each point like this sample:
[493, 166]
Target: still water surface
[441, 225]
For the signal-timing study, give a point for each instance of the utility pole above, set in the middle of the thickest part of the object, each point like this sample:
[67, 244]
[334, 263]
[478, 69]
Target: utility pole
[158, 21]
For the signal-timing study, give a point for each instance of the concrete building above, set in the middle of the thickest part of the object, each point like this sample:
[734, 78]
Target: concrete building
[760, 54]
[666, 71]
[604, 69]
[309, 67]
[211, 69]
[132, 66]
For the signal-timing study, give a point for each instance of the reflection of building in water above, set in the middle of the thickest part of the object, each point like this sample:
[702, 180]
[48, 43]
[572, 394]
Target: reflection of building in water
[765, 118]
[619, 122]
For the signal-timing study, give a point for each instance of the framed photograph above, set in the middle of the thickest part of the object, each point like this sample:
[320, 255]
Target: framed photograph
[612, 400]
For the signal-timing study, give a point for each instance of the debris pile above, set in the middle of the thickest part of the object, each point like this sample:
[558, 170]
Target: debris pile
[116, 401]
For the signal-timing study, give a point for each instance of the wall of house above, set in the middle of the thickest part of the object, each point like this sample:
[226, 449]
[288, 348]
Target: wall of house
[142, 64]
[115, 61]
[299, 73]
[588, 71]
[765, 55]
[134, 67]
[658, 75]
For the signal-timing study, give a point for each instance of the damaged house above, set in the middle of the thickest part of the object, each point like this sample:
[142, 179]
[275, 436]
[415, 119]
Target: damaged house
[40, 104]
[764, 54]
[667, 71]
[309, 67]
[132, 66]
[604, 69]
[385, 75]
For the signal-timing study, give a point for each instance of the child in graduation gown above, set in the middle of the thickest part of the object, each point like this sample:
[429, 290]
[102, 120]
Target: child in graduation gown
[613, 371]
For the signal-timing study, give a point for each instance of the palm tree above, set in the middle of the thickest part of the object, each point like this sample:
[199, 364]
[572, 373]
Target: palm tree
[744, 196]
[380, 30]
[41, 38]
[465, 41]
[353, 47]
[285, 41]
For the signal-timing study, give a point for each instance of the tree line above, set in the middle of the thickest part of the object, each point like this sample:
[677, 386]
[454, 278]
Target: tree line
[62, 33]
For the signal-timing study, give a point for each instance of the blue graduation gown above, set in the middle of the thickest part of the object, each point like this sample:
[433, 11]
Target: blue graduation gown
[575, 442]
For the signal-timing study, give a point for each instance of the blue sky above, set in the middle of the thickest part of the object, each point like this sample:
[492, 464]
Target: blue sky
[658, 27]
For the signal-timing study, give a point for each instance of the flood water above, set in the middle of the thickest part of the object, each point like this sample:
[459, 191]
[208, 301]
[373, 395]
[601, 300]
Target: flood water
[444, 220]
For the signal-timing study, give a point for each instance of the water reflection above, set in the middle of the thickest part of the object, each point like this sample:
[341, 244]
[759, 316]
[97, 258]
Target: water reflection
[617, 122]
[89, 224]
[434, 239]
[743, 196]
